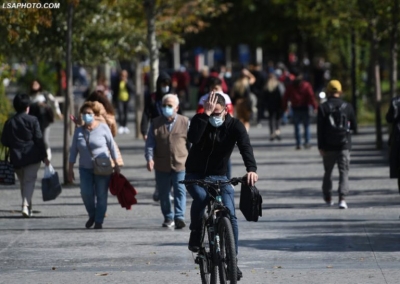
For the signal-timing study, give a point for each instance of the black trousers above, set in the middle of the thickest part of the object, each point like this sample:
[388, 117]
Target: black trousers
[123, 113]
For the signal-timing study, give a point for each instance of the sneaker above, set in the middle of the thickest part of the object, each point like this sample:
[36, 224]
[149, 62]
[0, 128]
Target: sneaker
[168, 223]
[98, 226]
[89, 223]
[278, 137]
[194, 241]
[156, 197]
[342, 204]
[328, 201]
[126, 130]
[239, 274]
[307, 146]
[25, 212]
[298, 148]
[179, 224]
[121, 130]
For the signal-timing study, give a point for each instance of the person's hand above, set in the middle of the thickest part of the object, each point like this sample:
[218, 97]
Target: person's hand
[150, 165]
[71, 176]
[252, 178]
[322, 152]
[210, 104]
[117, 169]
[46, 162]
[144, 137]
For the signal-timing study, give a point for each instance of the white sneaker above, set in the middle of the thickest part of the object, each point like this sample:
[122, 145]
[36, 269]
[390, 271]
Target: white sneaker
[126, 130]
[25, 212]
[342, 204]
[121, 130]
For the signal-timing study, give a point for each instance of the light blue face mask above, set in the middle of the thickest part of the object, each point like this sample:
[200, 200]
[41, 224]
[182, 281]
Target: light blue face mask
[167, 111]
[88, 118]
[216, 121]
[165, 89]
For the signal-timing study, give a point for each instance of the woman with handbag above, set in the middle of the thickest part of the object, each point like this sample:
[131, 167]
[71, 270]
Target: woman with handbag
[94, 143]
[23, 137]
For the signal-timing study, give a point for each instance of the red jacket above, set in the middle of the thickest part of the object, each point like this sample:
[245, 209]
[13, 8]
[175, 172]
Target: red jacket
[301, 95]
[124, 191]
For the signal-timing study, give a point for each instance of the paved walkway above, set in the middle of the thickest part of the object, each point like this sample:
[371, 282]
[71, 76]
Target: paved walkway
[298, 239]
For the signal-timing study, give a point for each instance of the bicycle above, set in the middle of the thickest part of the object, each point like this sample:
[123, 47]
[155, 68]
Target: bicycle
[217, 242]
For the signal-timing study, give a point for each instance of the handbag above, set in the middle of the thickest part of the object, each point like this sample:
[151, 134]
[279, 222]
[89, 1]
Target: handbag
[250, 202]
[7, 173]
[51, 187]
[101, 165]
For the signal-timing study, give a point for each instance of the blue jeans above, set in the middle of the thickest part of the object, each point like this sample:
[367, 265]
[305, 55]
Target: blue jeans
[200, 201]
[94, 192]
[163, 184]
[301, 116]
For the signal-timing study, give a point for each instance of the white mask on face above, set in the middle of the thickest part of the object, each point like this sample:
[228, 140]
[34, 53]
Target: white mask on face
[165, 89]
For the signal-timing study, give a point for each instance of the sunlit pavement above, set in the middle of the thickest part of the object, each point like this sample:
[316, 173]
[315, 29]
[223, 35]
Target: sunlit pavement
[297, 240]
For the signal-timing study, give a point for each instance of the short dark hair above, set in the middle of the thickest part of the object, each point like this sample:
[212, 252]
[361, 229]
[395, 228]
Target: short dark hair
[213, 81]
[21, 102]
[220, 99]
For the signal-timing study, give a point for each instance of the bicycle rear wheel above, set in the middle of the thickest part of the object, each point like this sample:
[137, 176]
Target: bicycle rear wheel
[208, 271]
[227, 266]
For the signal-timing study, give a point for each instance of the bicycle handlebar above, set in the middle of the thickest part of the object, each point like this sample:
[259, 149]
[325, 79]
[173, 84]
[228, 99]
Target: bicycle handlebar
[207, 183]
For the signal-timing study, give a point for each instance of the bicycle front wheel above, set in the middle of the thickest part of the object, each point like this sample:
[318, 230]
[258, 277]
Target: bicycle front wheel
[227, 266]
[208, 271]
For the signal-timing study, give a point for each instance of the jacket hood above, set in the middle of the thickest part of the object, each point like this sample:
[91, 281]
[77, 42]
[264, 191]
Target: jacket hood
[162, 78]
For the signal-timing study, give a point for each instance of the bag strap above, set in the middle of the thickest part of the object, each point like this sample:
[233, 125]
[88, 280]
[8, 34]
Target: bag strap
[87, 142]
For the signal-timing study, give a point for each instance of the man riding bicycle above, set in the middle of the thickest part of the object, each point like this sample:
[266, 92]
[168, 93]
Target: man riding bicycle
[213, 135]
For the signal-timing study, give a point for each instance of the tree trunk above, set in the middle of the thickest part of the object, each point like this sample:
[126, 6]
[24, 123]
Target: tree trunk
[393, 49]
[139, 99]
[152, 42]
[377, 89]
[69, 100]
[354, 73]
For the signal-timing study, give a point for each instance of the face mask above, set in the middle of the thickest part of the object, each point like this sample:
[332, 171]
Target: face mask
[88, 118]
[165, 89]
[216, 121]
[167, 111]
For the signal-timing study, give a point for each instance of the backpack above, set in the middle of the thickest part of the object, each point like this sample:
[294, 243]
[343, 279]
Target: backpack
[250, 202]
[336, 126]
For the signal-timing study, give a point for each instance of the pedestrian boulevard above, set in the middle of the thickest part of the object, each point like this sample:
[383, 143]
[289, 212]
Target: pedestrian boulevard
[298, 239]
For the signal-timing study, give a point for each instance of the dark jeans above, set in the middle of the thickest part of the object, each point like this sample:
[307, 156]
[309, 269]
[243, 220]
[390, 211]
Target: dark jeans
[274, 120]
[123, 113]
[301, 116]
[342, 159]
[200, 201]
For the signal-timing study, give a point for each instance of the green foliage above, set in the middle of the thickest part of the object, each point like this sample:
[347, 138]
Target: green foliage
[45, 73]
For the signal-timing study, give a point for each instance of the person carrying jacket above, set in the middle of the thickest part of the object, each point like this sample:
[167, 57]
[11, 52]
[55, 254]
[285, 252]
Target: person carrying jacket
[213, 135]
[334, 146]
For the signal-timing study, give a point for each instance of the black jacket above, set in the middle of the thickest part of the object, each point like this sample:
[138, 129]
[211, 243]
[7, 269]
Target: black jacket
[152, 103]
[213, 146]
[22, 135]
[323, 110]
[393, 117]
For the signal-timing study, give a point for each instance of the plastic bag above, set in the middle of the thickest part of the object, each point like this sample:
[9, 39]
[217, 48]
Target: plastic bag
[51, 186]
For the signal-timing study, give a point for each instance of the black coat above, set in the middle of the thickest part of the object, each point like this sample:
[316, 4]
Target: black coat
[393, 118]
[22, 135]
[213, 146]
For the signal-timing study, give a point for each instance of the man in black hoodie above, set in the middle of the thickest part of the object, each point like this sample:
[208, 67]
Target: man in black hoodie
[335, 120]
[213, 135]
[152, 102]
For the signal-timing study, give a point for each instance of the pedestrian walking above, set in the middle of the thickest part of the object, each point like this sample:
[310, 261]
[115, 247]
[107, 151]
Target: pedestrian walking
[122, 95]
[301, 96]
[335, 120]
[22, 135]
[45, 108]
[91, 141]
[214, 134]
[273, 93]
[166, 153]
[393, 118]
[241, 96]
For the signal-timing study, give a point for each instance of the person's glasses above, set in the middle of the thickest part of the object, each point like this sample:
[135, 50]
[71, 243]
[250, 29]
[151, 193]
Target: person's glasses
[217, 114]
[166, 105]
